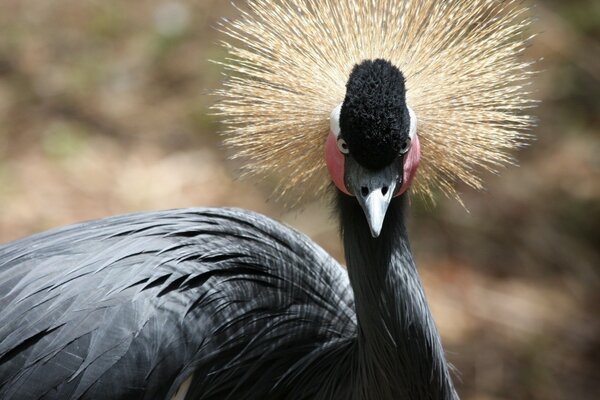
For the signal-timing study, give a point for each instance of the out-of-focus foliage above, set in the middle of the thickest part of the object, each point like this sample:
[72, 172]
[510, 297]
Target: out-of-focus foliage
[104, 110]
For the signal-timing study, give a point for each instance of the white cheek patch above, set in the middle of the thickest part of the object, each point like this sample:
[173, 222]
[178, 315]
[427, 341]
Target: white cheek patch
[413, 123]
[334, 121]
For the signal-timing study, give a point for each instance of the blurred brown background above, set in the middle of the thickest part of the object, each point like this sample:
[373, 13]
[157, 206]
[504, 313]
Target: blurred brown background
[103, 110]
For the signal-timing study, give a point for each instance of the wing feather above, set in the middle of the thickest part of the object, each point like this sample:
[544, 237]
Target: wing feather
[132, 306]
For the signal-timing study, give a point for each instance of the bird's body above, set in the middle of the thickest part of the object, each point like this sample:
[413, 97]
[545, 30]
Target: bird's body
[237, 306]
[147, 300]
[246, 307]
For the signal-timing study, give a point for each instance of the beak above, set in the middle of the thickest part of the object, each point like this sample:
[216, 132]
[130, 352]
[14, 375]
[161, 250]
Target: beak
[374, 190]
[375, 205]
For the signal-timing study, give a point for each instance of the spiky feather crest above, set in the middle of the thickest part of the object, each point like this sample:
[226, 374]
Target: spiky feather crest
[290, 62]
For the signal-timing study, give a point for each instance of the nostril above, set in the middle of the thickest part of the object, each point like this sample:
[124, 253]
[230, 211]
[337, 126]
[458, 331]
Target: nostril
[384, 190]
[364, 191]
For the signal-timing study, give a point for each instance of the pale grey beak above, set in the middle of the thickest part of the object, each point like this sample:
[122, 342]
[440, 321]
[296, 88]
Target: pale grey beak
[374, 191]
[375, 205]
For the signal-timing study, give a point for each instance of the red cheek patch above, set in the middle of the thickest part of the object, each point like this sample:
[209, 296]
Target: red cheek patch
[335, 163]
[411, 163]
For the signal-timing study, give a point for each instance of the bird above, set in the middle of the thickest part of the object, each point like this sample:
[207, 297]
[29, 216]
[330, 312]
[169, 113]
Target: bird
[360, 104]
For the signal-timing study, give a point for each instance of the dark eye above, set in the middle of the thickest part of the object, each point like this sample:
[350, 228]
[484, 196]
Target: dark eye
[343, 146]
[405, 146]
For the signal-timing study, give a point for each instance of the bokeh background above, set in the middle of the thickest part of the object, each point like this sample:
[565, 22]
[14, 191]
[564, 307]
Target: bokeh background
[104, 110]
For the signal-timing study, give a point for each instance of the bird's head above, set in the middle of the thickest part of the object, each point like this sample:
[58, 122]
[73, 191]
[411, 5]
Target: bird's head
[352, 76]
[373, 150]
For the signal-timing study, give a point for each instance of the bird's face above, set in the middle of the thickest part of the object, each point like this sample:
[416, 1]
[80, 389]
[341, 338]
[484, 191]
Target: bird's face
[373, 150]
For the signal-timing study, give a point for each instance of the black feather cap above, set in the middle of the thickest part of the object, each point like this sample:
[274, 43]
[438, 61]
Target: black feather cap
[374, 119]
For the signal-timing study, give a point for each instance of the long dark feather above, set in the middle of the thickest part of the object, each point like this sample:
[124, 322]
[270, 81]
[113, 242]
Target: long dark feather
[129, 307]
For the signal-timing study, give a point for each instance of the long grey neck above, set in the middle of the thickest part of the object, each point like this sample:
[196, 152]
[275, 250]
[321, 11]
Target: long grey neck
[399, 353]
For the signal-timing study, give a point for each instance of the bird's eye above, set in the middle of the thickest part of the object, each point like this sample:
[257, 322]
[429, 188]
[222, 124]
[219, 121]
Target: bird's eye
[343, 146]
[405, 146]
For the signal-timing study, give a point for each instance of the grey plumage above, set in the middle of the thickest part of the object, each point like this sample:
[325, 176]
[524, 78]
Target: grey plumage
[128, 307]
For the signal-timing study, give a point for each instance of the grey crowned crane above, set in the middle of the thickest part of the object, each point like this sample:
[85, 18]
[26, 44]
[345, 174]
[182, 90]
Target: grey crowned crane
[337, 98]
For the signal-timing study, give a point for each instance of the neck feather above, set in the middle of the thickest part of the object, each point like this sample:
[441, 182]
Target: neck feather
[399, 349]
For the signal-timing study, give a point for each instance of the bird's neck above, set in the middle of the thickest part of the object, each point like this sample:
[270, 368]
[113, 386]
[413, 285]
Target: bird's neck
[399, 349]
